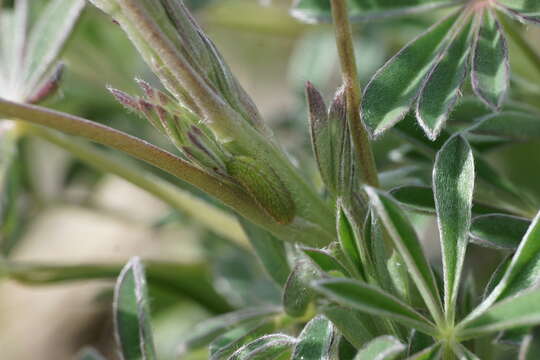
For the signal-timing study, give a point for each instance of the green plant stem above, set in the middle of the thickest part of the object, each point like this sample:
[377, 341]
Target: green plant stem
[229, 194]
[210, 217]
[351, 82]
[531, 53]
[193, 281]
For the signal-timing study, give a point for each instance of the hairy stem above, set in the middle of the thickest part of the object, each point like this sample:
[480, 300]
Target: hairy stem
[229, 194]
[202, 212]
[351, 82]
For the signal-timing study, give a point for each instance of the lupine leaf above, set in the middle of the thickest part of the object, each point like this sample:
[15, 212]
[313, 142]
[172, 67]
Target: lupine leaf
[521, 271]
[453, 183]
[361, 10]
[417, 198]
[269, 347]
[348, 239]
[406, 242]
[442, 85]
[498, 231]
[382, 348]
[297, 293]
[509, 124]
[132, 313]
[373, 301]
[316, 340]
[490, 68]
[269, 250]
[226, 344]
[326, 261]
[522, 310]
[530, 347]
[205, 332]
[354, 325]
[48, 37]
[393, 89]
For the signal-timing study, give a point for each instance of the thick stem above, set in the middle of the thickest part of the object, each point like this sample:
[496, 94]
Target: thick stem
[203, 213]
[351, 82]
[229, 194]
[530, 52]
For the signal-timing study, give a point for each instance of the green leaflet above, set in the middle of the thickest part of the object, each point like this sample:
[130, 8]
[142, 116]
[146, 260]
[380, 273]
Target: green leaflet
[226, 344]
[360, 10]
[270, 251]
[206, 331]
[48, 37]
[453, 184]
[393, 89]
[520, 273]
[297, 293]
[490, 74]
[265, 186]
[509, 124]
[382, 348]
[326, 261]
[132, 314]
[407, 244]
[431, 353]
[316, 340]
[350, 242]
[498, 231]
[354, 325]
[522, 310]
[372, 300]
[528, 6]
[417, 198]
[442, 85]
[269, 347]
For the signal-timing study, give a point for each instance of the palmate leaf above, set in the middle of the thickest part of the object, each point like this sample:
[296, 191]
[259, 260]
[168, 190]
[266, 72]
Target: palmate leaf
[405, 241]
[382, 348]
[132, 314]
[359, 10]
[490, 73]
[316, 340]
[453, 183]
[372, 300]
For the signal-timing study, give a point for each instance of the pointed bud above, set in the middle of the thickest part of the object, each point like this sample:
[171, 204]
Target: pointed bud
[125, 99]
[265, 187]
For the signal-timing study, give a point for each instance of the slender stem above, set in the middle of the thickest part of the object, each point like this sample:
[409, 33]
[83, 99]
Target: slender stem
[231, 195]
[203, 213]
[530, 52]
[359, 133]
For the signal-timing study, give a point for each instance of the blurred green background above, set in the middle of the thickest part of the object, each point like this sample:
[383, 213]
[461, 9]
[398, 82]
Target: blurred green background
[71, 214]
